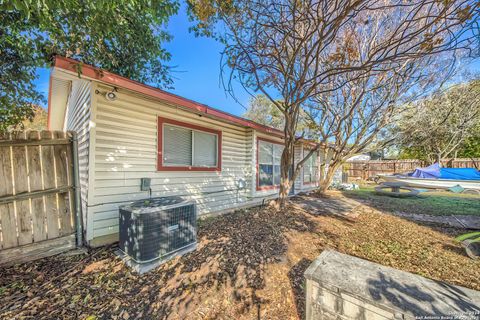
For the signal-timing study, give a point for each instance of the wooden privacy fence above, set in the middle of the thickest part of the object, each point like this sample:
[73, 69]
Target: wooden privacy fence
[36, 194]
[368, 169]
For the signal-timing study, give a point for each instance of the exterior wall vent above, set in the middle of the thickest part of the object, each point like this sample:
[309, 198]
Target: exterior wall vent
[154, 230]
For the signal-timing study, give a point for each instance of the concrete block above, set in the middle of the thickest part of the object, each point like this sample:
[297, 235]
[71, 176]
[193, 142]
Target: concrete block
[351, 310]
[345, 287]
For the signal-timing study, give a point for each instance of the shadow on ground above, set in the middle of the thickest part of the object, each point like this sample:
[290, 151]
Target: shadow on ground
[326, 205]
[296, 278]
[248, 264]
[447, 300]
[446, 213]
[229, 263]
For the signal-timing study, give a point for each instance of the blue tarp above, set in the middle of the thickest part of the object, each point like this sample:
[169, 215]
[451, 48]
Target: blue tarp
[459, 173]
[430, 172]
[435, 172]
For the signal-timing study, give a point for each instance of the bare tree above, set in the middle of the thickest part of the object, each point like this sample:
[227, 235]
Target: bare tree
[291, 50]
[350, 118]
[438, 125]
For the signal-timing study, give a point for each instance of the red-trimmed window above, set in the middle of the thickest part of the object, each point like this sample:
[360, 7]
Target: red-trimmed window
[269, 154]
[310, 168]
[187, 147]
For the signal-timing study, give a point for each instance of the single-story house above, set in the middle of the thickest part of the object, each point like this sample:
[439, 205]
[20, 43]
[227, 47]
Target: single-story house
[128, 131]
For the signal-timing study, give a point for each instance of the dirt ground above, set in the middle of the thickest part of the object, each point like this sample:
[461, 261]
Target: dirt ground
[249, 265]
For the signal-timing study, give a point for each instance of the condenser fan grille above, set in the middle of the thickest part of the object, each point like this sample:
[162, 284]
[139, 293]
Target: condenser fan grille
[150, 232]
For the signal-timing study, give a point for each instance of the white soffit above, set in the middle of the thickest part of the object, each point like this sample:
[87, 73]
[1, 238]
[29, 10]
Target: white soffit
[59, 92]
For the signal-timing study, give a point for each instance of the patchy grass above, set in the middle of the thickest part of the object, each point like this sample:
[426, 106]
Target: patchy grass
[432, 203]
[392, 241]
[248, 265]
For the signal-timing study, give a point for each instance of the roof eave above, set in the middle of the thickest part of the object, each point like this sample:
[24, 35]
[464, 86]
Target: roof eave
[122, 82]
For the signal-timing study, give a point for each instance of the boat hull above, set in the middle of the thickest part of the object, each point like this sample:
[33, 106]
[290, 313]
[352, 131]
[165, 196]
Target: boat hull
[432, 183]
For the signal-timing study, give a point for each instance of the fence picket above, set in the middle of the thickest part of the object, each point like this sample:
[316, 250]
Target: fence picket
[31, 165]
[35, 181]
[371, 168]
[7, 210]
[61, 175]
[48, 170]
[20, 177]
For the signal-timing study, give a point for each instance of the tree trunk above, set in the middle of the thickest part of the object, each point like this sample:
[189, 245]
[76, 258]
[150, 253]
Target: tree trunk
[326, 179]
[286, 163]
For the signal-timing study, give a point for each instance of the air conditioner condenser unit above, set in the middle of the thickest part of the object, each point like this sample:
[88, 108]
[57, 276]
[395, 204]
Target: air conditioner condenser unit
[154, 230]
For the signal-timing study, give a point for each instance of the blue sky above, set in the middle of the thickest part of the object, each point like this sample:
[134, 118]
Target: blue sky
[196, 63]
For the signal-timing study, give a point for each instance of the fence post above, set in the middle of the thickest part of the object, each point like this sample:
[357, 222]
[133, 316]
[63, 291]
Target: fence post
[76, 188]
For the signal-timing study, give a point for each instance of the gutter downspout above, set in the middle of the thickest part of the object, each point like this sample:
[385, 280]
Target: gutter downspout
[76, 188]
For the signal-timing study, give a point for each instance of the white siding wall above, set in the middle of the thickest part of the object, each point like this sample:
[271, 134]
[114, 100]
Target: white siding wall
[118, 146]
[58, 99]
[309, 186]
[78, 119]
[126, 150]
[297, 154]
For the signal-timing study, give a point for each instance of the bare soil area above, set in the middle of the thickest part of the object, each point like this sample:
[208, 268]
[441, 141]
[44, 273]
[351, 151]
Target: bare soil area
[249, 265]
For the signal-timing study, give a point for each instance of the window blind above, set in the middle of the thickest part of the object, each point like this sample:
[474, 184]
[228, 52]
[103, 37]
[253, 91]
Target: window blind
[204, 149]
[177, 146]
[187, 147]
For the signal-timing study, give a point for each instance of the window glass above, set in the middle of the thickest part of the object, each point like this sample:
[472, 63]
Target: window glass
[187, 147]
[269, 155]
[276, 175]
[277, 158]
[277, 153]
[204, 149]
[265, 153]
[177, 146]
[265, 175]
[310, 169]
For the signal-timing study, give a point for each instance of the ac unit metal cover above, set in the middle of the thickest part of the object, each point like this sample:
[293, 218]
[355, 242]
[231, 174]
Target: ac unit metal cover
[153, 228]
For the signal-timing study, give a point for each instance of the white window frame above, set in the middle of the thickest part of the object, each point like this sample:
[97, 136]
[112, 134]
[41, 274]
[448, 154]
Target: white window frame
[313, 167]
[273, 164]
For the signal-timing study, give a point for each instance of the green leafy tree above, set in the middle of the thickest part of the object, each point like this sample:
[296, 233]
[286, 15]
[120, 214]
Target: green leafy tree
[262, 110]
[471, 147]
[436, 127]
[413, 153]
[39, 120]
[124, 37]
